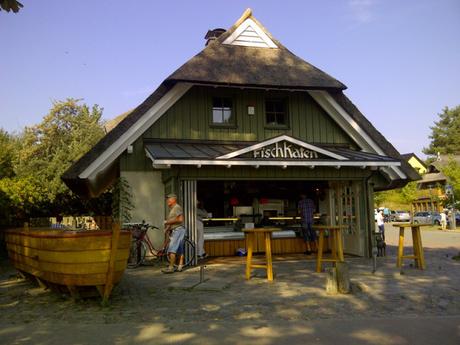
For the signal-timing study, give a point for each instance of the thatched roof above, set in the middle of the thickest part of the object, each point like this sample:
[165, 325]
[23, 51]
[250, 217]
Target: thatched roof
[226, 64]
[242, 66]
[112, 123]
[442, 161]
[433, 177]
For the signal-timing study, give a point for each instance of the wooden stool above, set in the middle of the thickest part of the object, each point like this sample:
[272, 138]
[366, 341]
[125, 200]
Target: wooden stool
[416, 244]
[336, 245]
[250, 235]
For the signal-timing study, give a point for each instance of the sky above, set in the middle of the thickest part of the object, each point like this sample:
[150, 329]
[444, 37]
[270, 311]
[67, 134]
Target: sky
[399, 59]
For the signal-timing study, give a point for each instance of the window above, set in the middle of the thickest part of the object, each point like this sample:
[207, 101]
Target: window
[275, 112]
[222, 111]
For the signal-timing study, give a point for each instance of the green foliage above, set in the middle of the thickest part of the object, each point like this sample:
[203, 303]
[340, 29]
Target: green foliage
[122, 203]
[49, 148]
[31, 164]
[7, 153]
[397, 199]
[408, 193]
[452, 171]
[10, 5]
[445, 134]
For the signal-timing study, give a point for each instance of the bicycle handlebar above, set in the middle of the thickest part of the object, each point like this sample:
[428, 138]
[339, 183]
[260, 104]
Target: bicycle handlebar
[140, 225]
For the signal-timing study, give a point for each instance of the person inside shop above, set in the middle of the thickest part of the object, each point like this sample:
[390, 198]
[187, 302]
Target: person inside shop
[306, 208]
[174, 225]
[201, 213]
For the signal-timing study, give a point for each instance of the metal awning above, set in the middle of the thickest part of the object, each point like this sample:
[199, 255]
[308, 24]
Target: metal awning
[209, 152]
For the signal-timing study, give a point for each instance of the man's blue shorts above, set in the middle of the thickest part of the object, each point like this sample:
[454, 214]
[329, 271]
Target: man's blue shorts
[176, 240]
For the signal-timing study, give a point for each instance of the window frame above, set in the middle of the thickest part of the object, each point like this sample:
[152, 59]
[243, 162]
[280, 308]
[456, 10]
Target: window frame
[285, 101]
[231, 124]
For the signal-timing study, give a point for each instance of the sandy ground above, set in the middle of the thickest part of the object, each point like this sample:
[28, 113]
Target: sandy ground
[390, 306]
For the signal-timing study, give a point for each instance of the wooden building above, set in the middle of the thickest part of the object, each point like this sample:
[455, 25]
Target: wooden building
[246, 126]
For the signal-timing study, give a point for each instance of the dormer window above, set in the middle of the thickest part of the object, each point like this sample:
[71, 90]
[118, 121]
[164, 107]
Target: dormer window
[222, 111]
[276, 112]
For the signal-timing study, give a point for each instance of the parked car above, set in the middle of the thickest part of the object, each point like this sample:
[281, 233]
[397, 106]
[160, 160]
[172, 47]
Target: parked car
[427, 217]
[400, 216]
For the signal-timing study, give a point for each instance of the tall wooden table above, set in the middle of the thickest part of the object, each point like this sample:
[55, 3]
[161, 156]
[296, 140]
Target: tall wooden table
[250, 235]
[335, 232]
[416, 243]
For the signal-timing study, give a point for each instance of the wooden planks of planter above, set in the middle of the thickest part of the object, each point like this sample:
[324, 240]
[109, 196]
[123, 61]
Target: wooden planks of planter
[71, 258]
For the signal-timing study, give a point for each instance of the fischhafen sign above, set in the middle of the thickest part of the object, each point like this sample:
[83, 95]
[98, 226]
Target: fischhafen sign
[284, 150]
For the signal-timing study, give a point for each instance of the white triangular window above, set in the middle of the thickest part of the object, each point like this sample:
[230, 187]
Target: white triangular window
[250, 34]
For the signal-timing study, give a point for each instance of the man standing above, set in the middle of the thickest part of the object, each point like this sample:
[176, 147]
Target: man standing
[175, 225]
[381, 224]
[443, 220]
[306, 208]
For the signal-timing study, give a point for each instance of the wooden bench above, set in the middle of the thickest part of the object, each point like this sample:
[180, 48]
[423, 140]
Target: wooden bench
[335, 232]
[250, 235]
[416, 243]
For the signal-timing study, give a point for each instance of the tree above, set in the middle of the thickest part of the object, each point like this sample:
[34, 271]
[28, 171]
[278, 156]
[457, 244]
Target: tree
[7, 152]
[10, 5]
[31, 164]
[452, 171]
[49, 148]
[445, 134]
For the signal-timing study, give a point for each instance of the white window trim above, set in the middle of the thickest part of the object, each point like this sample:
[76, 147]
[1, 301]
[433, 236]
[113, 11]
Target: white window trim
[135, 131]
[277, 140]
[231, 40]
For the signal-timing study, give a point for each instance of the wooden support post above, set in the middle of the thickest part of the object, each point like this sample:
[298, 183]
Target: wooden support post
[111, 267]
[41, 283]
[73, 292]
[331, 281]
[100, 289]
[268, 255]
[343, 277]
[338, 234]
[250, 244]
[320, 250]
[415, 247]
[333, 236]
[400, 247]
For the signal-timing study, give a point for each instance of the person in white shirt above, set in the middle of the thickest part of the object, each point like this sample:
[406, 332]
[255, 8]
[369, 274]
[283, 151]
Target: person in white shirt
[381, 224]
[443, 221]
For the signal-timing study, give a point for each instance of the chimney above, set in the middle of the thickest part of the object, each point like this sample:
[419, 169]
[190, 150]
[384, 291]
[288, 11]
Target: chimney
[211, 35]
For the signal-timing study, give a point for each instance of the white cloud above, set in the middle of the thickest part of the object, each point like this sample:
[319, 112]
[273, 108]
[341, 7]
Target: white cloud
[362, 10]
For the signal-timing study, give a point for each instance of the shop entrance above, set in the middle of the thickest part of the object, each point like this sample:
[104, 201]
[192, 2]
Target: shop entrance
[234, 204]
[261, 202]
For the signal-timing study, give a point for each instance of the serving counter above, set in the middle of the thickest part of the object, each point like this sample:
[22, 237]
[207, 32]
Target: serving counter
[227, 243]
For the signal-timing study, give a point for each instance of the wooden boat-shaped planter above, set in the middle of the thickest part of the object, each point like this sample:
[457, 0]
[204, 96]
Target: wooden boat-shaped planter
[74, 259]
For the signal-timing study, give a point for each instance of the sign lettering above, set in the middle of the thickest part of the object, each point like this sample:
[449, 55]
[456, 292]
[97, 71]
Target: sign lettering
[286, 151]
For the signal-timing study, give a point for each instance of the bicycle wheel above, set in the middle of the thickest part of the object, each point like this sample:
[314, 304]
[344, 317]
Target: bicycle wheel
[137, 253]
[189, 250]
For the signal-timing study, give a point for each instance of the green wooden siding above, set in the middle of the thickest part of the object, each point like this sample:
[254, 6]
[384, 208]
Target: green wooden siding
[190, 118]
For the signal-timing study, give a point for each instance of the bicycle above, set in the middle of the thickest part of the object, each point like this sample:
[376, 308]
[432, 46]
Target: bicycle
[141, 245]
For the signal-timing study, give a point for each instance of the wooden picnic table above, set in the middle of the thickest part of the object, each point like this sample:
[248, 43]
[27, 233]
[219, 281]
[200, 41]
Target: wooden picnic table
[336, 244]
[250, 235]
[416, 244]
